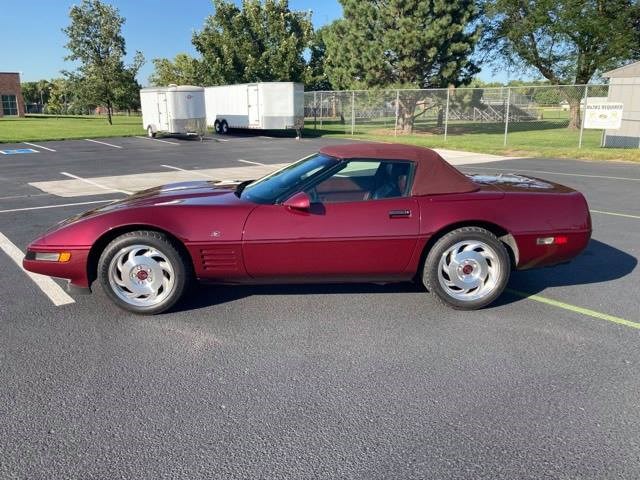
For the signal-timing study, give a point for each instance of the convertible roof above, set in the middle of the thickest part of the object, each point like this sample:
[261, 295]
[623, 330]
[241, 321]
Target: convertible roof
[433, 174]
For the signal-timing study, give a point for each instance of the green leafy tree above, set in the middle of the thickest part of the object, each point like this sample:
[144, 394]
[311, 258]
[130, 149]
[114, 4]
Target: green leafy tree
[261, 41]
[30, 92]
[96, 42]
[182, 70]
[316, 76]
[127, 90]
[565, 41]
[36, 92]
[59, 96]
[404, 44]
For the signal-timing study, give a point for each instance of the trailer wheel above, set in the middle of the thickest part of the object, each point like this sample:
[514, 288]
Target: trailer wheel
[224, 127]
[150, 132]
[217, 127]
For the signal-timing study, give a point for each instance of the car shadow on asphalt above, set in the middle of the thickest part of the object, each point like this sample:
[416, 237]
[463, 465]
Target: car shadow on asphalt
[598, 263]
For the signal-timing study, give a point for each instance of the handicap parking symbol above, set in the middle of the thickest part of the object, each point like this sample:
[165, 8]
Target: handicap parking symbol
[17, 151]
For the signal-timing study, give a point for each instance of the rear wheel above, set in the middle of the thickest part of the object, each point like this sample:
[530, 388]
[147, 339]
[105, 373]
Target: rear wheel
[467, 268]
[217, 127]
[224, 126]
[143, 272]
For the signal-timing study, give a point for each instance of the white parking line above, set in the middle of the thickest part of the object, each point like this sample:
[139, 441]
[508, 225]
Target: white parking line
[91, 182]
[25, 209]
[222, 139]
[555, 173]
[39, 146]
[195, 172]
[252, 163]
[158, 140]
[626, 215]
[50, 288]
[12, 197]
[103, 143]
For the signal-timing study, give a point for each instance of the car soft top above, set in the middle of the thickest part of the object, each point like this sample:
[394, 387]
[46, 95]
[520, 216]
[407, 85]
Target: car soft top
[433, 174]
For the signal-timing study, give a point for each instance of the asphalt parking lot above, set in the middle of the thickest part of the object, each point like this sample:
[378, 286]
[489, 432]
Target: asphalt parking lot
[356, 381]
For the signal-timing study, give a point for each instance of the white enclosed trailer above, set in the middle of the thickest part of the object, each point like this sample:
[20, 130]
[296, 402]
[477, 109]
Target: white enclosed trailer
[263, 105]
[173, 109]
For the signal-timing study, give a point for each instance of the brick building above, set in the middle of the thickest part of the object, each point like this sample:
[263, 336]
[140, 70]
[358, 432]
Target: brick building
[11, 101]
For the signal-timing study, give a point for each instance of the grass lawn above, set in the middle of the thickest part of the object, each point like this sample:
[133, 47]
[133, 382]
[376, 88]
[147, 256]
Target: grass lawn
[40, 128]
[547, 138]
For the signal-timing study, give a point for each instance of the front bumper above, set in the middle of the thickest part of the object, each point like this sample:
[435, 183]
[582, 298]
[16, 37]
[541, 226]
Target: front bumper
[74, 270]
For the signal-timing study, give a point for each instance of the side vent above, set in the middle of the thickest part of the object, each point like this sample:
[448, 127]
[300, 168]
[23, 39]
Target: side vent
[220, 259]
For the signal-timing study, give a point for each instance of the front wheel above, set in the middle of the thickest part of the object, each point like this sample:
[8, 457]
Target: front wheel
[467, 268]
[143, 272]
[150, 132]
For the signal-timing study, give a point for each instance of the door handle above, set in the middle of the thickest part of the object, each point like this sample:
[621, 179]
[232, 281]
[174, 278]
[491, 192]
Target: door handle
[399, 213]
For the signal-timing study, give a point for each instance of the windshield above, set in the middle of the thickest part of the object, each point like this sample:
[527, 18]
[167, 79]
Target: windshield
[272, 187]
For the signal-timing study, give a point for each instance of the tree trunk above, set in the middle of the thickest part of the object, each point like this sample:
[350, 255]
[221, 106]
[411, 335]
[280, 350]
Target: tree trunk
[109, 113]
[406, 112]
[574, 114]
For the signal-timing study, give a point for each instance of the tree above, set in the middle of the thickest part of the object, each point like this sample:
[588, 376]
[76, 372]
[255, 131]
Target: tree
[127, 90]
[183, 70]
[257, 42]
[59, 96]
[566, 41]
[316, 75]
[403, 44]
[36, 92]
[96, 41]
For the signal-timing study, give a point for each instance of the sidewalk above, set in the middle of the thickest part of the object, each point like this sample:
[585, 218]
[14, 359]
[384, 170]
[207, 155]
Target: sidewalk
[457, 157]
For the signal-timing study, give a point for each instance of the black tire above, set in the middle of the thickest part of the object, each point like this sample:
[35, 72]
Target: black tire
[180, 266]
[150, 132]
[217, 127]
[495, 281]
[224, 127]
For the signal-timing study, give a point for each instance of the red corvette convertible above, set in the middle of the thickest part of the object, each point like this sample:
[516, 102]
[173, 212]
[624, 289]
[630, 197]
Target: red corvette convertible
[363, 212]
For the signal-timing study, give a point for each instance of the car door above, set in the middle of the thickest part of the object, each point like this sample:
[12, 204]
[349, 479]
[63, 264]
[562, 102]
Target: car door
[344, 234]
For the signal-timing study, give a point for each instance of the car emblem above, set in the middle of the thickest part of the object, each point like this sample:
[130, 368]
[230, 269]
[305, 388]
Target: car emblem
[215, 233]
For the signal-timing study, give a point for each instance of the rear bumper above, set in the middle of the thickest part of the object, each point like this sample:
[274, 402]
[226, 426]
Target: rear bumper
[75, 270]
[532, 255]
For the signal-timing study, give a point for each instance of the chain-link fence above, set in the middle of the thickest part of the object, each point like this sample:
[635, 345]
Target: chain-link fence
[515, 117]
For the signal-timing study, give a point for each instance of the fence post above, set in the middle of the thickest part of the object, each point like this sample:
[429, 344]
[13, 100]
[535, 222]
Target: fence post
[321, 112]
[315, 111]
[446, 115]
[506, 120]
[584, 114]
[395, 129]
[353, 111]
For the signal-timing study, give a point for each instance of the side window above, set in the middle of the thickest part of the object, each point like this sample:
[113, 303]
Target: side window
[361, 180]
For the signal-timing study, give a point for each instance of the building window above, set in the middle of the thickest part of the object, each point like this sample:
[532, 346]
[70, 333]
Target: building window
[9, 105]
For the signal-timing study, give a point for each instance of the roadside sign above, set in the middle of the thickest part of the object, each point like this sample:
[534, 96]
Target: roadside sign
[17, 151]
[604, 115]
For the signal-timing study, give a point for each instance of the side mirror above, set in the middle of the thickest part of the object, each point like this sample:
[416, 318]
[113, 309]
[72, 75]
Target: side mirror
[299, 201]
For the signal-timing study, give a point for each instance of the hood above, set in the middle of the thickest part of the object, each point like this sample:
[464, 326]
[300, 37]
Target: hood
[188, 193]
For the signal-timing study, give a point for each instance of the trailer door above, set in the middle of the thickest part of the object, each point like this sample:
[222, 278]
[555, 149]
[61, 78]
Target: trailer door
[163, 121]
[253, 104]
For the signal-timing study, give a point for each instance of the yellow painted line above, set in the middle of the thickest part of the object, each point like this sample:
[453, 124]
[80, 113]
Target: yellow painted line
[626, 215]
[575, 309]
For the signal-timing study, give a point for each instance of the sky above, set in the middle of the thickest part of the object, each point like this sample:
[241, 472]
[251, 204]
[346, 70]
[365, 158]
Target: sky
[33, 42]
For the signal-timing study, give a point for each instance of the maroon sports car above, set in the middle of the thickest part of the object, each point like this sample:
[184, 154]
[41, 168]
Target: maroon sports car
[356, 213]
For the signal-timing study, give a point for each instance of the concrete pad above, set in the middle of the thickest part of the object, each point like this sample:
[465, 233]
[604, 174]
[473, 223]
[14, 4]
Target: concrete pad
[141, 181]
[458, 157]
